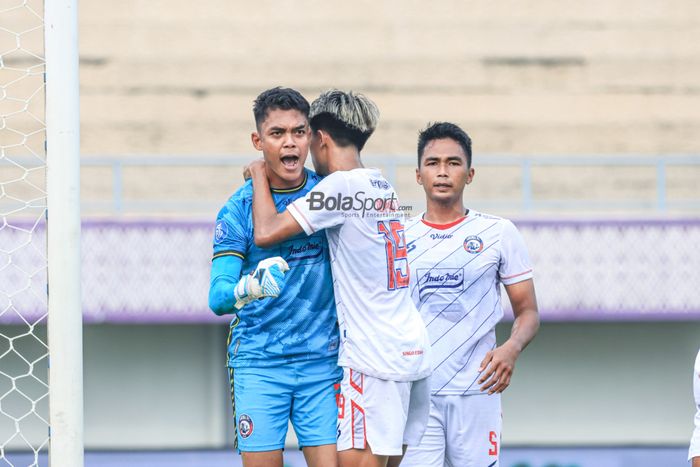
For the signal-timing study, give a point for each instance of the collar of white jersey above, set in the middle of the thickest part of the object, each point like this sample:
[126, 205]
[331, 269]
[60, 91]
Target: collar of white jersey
[449, 225]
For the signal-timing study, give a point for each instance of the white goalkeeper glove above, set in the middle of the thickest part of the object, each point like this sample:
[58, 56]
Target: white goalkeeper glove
[266, 281]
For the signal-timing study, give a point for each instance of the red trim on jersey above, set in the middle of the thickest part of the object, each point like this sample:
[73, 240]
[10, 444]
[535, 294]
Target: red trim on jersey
[443, 226]
[516, 275]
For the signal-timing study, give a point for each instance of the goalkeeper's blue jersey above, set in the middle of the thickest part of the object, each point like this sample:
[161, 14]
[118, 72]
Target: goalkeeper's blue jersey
[300, 324]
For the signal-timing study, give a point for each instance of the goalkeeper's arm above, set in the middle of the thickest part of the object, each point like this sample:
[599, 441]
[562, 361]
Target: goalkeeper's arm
[225, 274]
[227, 294]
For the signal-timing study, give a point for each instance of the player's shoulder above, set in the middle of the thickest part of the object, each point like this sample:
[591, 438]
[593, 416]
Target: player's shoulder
[413, 221]
[413, 228]
[240, 201]
[505, 227]
[312, 178]
[491, 219]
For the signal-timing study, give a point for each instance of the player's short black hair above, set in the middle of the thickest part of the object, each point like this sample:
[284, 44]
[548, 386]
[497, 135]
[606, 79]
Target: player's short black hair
[349, 118]
[441, 130]
[279, 98]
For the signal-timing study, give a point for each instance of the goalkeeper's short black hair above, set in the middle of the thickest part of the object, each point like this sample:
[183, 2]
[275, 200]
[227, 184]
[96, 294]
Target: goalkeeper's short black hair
[279, 98]
[349, 118]
[442, 130]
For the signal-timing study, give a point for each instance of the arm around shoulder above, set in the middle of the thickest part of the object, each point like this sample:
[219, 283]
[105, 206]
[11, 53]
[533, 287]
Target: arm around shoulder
[269, 226]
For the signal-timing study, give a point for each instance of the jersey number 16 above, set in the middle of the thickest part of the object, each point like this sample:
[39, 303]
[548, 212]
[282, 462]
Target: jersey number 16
[396, 257]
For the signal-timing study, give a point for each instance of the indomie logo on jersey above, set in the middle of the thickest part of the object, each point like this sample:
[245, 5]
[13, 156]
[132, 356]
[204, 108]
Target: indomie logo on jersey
[473, 244]
[440, 280]
[307, 250]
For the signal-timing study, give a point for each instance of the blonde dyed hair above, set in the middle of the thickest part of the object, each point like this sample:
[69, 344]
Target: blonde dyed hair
[354, 110]
[349, 118]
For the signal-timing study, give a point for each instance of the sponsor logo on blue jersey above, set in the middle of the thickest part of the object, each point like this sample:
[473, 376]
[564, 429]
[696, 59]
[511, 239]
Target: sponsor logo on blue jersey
[444, 280]
[307, 250]
[473, 244]
[220, 232]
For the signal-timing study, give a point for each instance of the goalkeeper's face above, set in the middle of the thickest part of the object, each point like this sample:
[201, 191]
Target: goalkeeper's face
[283, 138]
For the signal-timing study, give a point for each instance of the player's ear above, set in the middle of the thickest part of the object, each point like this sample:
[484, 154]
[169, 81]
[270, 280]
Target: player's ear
[255, 138]
[323, 137]
[470, 175]
[419, 180]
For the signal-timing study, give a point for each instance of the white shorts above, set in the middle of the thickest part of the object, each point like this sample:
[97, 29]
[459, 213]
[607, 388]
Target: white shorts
[463, 431]
[383, 415]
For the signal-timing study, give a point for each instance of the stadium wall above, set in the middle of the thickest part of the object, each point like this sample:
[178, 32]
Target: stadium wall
[578, 384]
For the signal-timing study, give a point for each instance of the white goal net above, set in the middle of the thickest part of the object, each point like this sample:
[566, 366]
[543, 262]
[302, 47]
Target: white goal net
[27, 433]
[24, 411]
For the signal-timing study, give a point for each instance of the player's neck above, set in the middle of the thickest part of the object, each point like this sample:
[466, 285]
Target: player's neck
[347, 158]
[444, 213]
[279, 183]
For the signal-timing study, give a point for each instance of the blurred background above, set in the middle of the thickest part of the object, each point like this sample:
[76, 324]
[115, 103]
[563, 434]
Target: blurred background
[584, 117]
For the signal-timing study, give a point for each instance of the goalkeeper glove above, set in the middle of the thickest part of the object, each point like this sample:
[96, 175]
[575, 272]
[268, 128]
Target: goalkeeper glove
[266, 281]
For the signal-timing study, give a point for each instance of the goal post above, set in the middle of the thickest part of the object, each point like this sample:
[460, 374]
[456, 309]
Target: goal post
[65, 337]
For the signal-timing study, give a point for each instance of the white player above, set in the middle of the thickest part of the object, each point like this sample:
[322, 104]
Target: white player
[694, 451]
[385, 394]
[459, 258]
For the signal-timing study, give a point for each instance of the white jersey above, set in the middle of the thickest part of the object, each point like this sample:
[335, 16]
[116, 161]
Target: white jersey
[381, 332]
[456, 272]
[694, 450]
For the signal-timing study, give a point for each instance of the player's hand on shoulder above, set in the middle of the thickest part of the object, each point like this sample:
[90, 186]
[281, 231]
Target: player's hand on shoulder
[267, 280]
[253, 167]
[497, 368]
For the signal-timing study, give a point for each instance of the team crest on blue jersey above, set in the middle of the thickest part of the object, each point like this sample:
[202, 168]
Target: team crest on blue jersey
[473, 244]
[245, 426]
[220, 232]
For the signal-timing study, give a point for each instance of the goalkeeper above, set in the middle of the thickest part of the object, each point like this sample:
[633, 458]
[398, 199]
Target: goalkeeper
[283, 339]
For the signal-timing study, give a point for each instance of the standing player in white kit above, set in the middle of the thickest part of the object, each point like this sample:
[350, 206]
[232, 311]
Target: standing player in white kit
[385, 395]
[458, 259]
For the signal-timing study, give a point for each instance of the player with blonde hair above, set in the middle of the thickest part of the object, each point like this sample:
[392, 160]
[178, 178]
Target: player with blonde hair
[384, 347]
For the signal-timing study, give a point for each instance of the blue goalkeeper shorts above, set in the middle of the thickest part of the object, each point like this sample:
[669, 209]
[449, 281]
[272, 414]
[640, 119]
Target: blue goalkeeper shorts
[265, 399]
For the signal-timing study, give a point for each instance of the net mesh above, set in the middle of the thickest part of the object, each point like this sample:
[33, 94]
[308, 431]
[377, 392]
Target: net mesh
[23, 300]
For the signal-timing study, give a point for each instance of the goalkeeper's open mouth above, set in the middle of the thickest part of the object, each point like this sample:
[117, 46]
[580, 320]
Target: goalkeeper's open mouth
[290, 162]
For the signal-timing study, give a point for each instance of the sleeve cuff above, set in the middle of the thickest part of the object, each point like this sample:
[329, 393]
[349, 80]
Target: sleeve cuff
[301, 219]
[515, 278]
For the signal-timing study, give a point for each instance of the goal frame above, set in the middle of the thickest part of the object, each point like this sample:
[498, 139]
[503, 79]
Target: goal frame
[65, 333]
